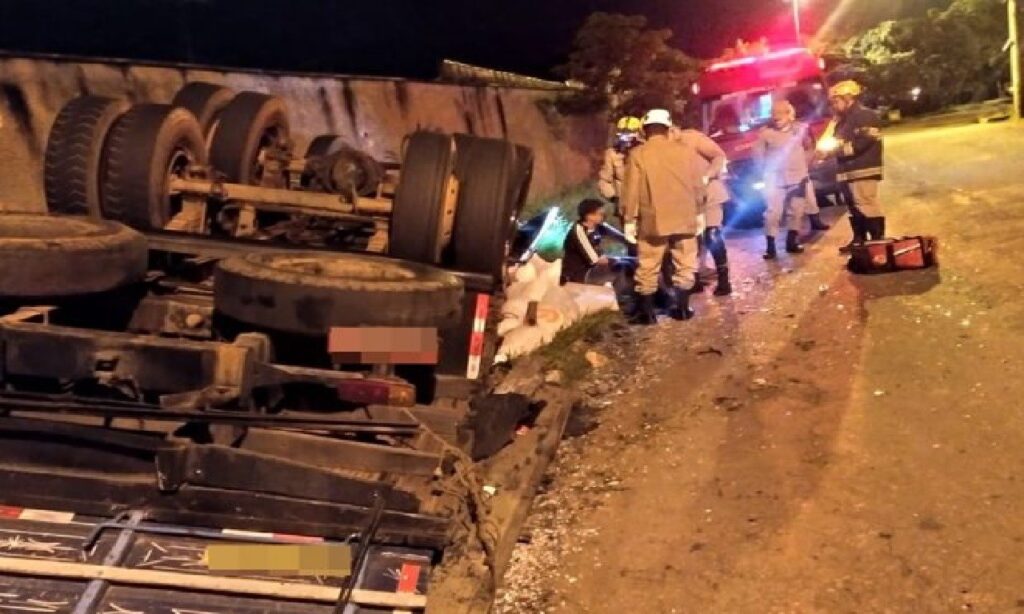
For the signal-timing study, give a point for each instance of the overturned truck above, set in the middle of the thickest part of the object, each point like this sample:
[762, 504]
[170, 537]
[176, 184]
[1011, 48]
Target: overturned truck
[209, 330]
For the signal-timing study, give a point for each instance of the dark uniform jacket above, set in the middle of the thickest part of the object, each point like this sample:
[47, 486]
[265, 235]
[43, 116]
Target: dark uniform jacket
[582, 251]
[861, 154]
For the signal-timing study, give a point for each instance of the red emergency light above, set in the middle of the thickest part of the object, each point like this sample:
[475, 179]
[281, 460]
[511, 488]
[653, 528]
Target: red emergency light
[766, 71]
[771, 55]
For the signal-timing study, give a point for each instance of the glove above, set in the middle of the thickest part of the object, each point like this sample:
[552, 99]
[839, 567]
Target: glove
[629, 229]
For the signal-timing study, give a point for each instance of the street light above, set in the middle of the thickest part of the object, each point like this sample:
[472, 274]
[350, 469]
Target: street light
[796, 19]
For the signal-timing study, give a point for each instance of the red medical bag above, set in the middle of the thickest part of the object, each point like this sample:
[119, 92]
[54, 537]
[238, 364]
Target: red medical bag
[889, 255]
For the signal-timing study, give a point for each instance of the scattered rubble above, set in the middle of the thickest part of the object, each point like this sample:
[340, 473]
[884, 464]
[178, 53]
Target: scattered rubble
[551, 533]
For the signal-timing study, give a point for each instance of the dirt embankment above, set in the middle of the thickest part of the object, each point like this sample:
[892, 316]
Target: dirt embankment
[372, 114]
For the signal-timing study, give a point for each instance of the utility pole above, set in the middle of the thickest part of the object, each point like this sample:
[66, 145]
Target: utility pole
[1014, 48]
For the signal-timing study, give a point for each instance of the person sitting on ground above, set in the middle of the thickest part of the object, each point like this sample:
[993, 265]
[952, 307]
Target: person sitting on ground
[584, 261]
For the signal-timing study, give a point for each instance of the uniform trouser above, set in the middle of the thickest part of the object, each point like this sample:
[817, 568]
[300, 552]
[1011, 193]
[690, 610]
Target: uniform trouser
[865, 198]
[617, 210]
[651, 250]
[714, 214]
[810, 199]
[715, 243]
[784, 204]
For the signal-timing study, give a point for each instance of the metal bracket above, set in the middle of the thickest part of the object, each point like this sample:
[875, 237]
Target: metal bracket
[27, 314]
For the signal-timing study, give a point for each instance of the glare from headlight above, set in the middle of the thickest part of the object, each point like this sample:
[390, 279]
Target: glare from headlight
[758, 186]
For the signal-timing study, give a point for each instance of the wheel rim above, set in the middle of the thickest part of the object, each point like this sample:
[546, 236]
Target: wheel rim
[447, 221]
[178, 163]
[269, 139]
[335, 267]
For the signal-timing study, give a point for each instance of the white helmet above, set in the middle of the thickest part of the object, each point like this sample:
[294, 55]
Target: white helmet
[658, 116]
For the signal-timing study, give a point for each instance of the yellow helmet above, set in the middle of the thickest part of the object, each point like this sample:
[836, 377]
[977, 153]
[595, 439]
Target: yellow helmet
[629, 124]
[845, 88]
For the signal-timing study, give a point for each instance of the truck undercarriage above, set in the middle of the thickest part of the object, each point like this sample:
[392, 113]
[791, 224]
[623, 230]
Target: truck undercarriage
[224, 365]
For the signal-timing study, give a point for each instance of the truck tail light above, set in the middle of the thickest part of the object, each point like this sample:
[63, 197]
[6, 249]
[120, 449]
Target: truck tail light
[377, 392]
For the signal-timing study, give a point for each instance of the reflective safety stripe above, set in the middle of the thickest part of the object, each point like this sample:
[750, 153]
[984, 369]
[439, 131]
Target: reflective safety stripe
[276, 537]
[874, 172]
[21, 513]
[476, 338]
[584, 241]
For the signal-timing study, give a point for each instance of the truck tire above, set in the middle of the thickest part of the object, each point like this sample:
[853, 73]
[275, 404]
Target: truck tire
[422, 216]
[306, 293]
[491, 175]
[44, 256]
[524, 178]
[148, 146]
[205, 101]
[249, 124]
[74, 153]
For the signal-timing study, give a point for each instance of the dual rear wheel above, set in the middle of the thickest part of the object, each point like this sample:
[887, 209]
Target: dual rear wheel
[455, 203]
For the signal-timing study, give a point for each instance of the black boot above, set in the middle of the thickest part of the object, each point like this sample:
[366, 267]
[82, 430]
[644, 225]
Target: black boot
[716, 245]
[698, 283]
[645, 314]
[681, 310]
[816, 223]
[769, 250]
[629, 305]
[875, 227]
[793, 242]
[860, 233]
[723, 287]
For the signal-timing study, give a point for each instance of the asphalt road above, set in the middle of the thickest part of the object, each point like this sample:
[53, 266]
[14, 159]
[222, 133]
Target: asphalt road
[819, 442]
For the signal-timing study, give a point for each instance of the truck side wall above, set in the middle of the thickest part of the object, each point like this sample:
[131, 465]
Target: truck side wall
[373, 114]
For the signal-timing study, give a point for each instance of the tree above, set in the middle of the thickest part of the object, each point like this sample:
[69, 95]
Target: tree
[888, 58]
[954, 54]
[626, 67]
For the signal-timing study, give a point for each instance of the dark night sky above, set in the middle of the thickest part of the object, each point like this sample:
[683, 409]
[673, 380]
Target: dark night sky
[384, 37]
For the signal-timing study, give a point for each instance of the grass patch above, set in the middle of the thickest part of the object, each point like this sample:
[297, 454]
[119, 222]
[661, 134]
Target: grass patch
[566, 351]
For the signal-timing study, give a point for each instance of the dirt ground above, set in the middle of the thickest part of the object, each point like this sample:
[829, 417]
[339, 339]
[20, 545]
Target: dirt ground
[819, 442]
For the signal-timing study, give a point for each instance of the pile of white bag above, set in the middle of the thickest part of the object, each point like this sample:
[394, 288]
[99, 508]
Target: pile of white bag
[558, 306]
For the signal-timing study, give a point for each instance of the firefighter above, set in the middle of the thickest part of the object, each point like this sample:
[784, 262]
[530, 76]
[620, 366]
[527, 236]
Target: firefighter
[661, 196]
[857, 147]
[716, 195]
[781, 157]
[609, 178]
